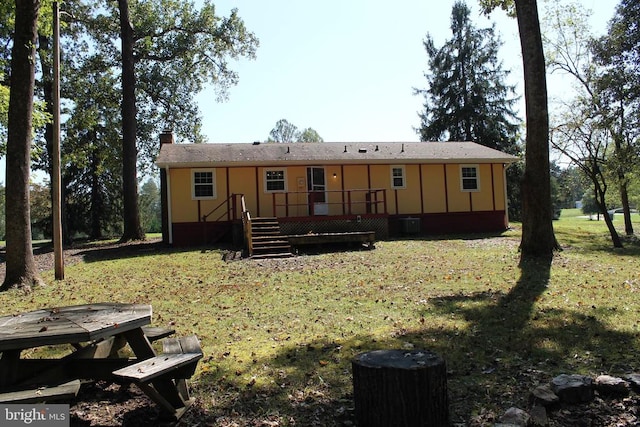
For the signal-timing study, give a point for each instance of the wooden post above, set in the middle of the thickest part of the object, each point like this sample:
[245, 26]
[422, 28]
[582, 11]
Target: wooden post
[56, 179]
[400, 388]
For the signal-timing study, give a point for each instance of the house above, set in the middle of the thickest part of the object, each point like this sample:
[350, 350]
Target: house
[391, 188]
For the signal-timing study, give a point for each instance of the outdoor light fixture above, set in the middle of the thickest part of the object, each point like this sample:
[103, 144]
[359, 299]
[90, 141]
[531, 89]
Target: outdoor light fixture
[335, 175]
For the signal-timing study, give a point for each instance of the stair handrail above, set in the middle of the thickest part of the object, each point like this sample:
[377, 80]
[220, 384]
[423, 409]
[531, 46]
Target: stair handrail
[246, 225]
[231, 207]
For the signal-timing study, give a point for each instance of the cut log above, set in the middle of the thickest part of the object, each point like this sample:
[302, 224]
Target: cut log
[400, 388]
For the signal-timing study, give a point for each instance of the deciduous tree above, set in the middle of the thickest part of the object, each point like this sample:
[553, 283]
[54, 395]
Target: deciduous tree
[538, 239]
[309, 135]
[618, 87]
[582, 130]
[283, 131]
[20, 264]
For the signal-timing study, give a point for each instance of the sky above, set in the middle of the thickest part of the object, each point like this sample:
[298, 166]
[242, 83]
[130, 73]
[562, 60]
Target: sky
[346, 68]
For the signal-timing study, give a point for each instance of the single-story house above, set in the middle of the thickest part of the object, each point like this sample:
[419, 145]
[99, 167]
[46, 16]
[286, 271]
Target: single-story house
[392, 188]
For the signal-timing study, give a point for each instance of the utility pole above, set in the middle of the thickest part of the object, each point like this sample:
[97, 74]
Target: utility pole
[55, 178]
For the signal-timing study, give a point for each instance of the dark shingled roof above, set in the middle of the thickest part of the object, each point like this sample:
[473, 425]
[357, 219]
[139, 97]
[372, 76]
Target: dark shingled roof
[325, 153]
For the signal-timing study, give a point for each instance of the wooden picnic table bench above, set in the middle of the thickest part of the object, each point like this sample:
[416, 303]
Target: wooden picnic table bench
[96, 332]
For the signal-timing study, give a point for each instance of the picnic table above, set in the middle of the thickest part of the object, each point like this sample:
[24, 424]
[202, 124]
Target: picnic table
[96, 333]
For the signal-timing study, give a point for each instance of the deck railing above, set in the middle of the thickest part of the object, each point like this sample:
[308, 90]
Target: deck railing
[373, 201]
[246, 225]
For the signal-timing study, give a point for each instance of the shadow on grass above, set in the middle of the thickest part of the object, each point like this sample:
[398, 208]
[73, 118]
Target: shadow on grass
[508, 347]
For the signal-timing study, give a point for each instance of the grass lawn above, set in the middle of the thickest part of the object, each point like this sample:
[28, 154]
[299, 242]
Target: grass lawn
[279, 335]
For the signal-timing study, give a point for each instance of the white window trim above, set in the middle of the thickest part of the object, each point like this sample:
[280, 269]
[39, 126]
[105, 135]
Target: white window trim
[404, 177]
[284, 190]
[462, 178]
[193, 184]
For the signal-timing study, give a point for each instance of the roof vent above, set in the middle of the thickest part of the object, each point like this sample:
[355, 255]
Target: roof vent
[256, 142]
[377, 149]
[362, 150]
[402, 148]
[345, 148]
[288, 150]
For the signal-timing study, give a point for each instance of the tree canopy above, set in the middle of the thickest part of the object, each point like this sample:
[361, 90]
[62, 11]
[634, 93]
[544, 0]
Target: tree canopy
[178, 49]
[467, 98]
[284, 131]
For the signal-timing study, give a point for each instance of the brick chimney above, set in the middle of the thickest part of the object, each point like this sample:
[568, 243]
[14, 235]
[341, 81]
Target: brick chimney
[166, 137]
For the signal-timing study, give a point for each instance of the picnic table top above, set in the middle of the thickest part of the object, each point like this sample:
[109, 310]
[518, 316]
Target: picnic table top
[73, 324]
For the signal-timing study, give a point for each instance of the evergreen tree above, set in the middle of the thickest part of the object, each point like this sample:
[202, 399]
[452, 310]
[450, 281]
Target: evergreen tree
[466, 98]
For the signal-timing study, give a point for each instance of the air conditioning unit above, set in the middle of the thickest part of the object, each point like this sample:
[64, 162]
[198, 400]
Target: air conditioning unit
[410, 225]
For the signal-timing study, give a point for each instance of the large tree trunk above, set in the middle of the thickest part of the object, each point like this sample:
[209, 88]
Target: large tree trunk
[132, 228]
[538, 239]
[97, 205]
[20, 264]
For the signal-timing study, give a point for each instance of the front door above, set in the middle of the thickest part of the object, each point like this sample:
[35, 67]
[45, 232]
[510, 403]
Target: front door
[316, 186]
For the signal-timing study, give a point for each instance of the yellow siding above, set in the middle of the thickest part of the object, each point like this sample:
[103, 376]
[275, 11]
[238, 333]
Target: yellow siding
[440, 192]
[499, 185]
[356, 178]
[243, 181]
[183, 207]
[458, 200]
[483, 200]
[409, 197]
[297, 186]
[381, 179]
[434, 189]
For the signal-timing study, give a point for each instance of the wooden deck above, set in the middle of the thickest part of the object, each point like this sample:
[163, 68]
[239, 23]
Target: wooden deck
[367, 238]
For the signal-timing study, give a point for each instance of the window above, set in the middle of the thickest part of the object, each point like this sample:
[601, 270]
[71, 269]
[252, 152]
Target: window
[203, 184]
[275, 180]
[397, 177]
[470, 178]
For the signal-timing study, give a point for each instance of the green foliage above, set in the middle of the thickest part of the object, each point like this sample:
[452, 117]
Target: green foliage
[506, 5]
[571, 184]
[466, 98]
[288, 132]
[590, 204]
[309, 135]
[283, 132]
[40, 201]
[150, 208]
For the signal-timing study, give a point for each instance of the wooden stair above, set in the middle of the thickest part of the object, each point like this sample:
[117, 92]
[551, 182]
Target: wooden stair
[267, 240]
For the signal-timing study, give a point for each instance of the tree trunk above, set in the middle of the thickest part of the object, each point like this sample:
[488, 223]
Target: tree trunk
[132, 228]
[599, 194]
[626, 207]
[20, 264]
[538, 239]
[96, 205]
[400, 388]
[622, 154]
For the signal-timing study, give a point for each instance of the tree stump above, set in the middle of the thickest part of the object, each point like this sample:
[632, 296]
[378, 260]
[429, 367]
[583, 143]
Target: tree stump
[400, 388]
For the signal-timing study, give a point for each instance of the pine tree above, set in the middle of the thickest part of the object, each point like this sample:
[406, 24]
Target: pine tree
[466, 98]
